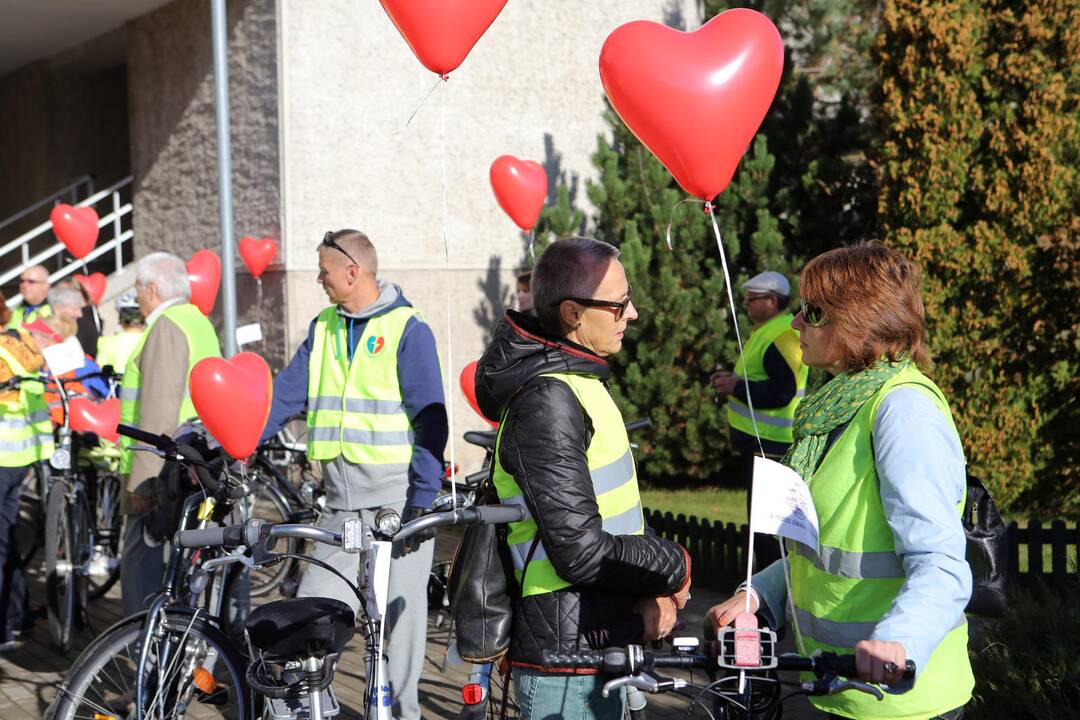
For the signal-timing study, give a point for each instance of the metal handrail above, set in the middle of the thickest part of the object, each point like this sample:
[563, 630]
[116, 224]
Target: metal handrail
[114, 244]
[66, 190]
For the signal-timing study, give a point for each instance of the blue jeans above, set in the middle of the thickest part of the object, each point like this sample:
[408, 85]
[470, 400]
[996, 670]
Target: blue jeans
[13, 599]
[549, 696]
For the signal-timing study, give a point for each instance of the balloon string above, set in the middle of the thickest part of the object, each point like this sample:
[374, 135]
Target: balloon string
[442, 78]
[749, 401]
[671, 218]
[449, 318]
[532, 244]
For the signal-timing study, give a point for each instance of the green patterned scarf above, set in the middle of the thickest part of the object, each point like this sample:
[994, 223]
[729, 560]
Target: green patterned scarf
[834, 404]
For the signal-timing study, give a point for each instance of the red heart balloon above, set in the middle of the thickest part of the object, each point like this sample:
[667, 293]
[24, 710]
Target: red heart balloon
[99, 418]
[258, 253]
[232, 398]
[94, 284]
[520, 187]
[467, 379]
[76, 227]
[442, 32]
[695, 99]
[204, 272]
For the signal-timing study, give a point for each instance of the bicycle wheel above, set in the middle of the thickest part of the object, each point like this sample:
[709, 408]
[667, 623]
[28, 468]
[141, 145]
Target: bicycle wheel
[192, 671]
[271, 502]
[30, 529]
[108, 533]
[61, 560]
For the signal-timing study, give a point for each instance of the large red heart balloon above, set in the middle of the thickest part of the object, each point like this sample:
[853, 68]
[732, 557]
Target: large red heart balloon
[99, 418]
[233, 398]
[258, 253]
[695, 99]
[520, 187]
[76, 227]
[442, 32]
[94, 284]
[467, 379]
[204, 272]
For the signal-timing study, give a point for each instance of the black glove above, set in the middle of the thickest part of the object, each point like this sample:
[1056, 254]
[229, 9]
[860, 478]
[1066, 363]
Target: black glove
[411, 513]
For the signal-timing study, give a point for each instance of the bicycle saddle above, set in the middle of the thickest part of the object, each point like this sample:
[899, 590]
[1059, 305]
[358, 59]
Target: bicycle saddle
[301, 627]
[483, 438]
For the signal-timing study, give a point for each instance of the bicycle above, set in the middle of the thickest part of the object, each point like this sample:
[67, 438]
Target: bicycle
[742, 665]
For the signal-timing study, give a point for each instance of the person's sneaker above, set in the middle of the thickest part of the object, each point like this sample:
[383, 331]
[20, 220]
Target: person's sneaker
[10, 645]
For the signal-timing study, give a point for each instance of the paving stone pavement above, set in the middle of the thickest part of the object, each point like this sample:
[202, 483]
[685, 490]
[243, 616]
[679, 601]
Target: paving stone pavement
[30, 673]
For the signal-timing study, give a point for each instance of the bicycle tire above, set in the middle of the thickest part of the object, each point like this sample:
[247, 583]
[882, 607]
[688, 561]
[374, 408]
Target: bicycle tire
[61, 558]
[108, 534]
[111, 660]
[272, 503]
[31, 526]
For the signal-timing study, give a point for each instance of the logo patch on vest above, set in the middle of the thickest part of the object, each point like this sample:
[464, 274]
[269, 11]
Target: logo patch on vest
[375, 345]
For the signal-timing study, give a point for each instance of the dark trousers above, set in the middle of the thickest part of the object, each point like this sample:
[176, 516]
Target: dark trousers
[13, 597]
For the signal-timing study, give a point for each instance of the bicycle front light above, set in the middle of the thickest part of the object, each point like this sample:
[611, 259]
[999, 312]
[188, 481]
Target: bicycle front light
[387, 522]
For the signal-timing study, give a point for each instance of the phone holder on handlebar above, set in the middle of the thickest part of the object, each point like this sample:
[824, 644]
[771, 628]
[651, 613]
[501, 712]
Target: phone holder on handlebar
[729, 640]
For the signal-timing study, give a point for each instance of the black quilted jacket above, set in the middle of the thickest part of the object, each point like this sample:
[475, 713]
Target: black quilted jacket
[545, 435]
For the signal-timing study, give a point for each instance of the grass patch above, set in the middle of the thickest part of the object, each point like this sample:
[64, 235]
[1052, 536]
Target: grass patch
[706, 503]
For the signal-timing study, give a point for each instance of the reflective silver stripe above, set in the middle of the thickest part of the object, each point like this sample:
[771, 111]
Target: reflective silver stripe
[800, 393]
[627, 522]
[361, 437]
[128, 394]
[16, 422]
[356, 405]
[855, 565]
[520, 552]
[740, 408]
[25, 444]
[843, 634]
[613, 475]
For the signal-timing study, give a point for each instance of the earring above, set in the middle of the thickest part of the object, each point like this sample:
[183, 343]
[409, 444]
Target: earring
[578, 325]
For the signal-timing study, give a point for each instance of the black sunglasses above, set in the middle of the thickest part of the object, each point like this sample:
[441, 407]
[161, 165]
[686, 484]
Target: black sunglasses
[328, 241]
[812, 314]
[618, 307]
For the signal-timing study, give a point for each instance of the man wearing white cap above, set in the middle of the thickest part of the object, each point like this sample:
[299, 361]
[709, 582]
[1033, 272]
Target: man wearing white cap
[772, 367]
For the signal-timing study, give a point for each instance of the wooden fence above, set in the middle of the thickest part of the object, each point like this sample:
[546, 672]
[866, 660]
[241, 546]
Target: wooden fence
[1035, 553]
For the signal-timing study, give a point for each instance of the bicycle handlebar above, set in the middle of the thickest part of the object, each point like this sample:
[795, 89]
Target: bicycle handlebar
[638, 425]
[187, 454]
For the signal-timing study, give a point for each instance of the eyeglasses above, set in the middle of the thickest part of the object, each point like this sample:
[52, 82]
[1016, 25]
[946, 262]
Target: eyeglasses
[328, 241]
[749, 298]
[812, 314]
[28, 281]
[618, 307]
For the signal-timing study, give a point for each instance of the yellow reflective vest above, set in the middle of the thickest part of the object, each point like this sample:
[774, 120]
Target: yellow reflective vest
[772, 423]
[26, 435]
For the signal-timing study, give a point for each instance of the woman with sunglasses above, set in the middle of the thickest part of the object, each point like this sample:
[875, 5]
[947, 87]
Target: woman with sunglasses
[589, 576]
[881, 455]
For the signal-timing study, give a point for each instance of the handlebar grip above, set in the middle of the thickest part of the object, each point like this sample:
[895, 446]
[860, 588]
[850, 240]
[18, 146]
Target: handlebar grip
[582, 660]
[844, 665]
[499, 514]
[228, 536]
[638, 425]
[161, 442]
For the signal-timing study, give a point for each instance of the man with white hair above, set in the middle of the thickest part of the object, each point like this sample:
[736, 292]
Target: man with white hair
[154, 396]
[34, 288]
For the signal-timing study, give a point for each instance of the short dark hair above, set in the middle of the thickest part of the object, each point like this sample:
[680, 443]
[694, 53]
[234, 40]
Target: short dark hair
[569, 267]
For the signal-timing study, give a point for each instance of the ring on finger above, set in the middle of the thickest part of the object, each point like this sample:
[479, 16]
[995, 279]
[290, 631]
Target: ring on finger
[890, 668]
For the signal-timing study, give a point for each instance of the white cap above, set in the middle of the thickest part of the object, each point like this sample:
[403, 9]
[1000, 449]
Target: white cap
[769, 282]
[127, 301]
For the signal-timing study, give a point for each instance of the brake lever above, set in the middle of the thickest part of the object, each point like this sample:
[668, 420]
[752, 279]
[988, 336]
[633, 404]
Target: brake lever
[644, 682]
[833, 685]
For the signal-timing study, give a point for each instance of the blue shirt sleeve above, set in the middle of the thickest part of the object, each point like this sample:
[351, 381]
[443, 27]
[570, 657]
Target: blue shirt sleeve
[97, 386]
[422, 394]
[290, 388]
[921, 471]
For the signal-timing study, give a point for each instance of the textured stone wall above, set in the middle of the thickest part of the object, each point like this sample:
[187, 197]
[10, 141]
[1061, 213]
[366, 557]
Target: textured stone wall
[174, 142]
[349, 83]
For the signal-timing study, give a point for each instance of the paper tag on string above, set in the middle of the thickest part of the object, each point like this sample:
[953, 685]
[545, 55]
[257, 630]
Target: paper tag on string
[65, 357]
[782, 504]
[247, 334]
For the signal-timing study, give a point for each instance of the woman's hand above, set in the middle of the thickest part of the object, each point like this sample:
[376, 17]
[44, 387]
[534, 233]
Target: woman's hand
[880, 661]
[658, 616]
[724, 613]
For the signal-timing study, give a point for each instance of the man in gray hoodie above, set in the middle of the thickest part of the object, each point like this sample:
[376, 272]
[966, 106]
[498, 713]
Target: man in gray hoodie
[368, 375]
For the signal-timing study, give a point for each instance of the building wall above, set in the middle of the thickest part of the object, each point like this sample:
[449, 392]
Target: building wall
[174, 143]
[349, 83]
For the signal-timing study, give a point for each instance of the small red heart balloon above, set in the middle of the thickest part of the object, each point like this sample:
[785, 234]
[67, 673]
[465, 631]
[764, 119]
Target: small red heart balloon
[695, 99]
[94, 284]
[204, 272]
[442, 32]
[258, 253]
[99, 418]
[520, 187]
[232, 398]
[467, 379]
[76, 227]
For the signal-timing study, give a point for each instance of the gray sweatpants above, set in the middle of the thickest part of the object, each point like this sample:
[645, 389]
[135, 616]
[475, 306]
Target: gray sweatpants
[406, 617]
